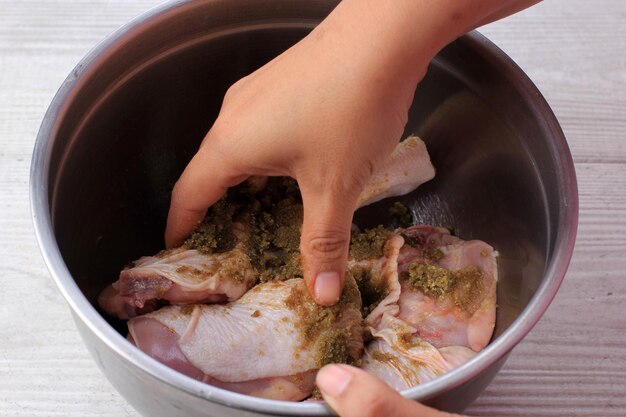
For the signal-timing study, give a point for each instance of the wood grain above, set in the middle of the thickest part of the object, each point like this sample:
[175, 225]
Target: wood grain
[573, 363]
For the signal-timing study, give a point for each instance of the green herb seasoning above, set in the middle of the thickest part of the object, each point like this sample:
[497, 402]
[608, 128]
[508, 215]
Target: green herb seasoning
[465, 286]
[401, 214]
[432, 280]
[317, 325]
[215, 233]
[369, 244]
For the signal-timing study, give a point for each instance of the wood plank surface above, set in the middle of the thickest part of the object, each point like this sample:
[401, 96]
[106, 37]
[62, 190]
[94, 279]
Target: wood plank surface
[573, 363]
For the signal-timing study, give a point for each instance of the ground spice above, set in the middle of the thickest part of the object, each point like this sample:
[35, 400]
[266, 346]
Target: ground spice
[468, 289]
[316, 394]
[186, 309]
[432, 280]
[333, 347]
[405, 340]
[401, 214]
[434, 254]
[465, 286]
[236, 266]
[416, 242]
[384, 356]
[287, 269]
[369, 244]
[274, 247]
[318, 325]
[272, 218]
[215, 233]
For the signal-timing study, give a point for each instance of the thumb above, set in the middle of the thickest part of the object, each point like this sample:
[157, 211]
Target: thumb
[352, 392]
[324, 242]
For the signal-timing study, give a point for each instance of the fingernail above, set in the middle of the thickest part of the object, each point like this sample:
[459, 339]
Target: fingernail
[332, 380]
[327, 287]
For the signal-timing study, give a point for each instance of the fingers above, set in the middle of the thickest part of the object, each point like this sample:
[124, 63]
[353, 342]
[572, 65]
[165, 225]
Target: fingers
[324, 242]
[204, 181]
[352, 392]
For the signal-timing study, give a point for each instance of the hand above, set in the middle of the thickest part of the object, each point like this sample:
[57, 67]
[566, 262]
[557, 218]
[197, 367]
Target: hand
[326, 112]
[352, 392]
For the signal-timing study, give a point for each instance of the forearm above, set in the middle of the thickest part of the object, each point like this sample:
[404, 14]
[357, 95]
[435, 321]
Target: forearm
[400, 37]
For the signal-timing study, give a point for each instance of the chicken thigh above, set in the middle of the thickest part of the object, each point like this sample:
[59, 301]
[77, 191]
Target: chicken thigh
[439, 309]
[269, 343]
[448, 287]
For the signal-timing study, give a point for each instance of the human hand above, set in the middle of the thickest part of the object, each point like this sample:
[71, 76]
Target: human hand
[352, 392]
[323, 113]
[326, 112]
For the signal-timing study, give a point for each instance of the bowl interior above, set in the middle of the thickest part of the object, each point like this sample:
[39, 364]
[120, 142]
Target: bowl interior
[136, 122]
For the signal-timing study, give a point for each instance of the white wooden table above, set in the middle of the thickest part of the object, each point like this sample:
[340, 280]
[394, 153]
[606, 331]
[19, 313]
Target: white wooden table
[572, 364]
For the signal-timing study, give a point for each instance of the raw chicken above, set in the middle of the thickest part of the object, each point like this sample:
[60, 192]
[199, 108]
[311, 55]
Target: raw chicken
[186, 275]
[425, 299]
[402, 359]
[269, 343]
[416, 337]
[180, 276]
[380, 280]
[443, 314]
[464, 314]
[408, 167]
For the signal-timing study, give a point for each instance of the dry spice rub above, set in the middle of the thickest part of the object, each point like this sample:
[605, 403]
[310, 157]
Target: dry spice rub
[317, 324]
[271, 221]
[215, 233]
[369, 244]
[266, 227]
[401, 214]
[465, 286]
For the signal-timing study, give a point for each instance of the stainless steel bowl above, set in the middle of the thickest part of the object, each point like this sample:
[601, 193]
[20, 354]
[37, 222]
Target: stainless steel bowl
[131, 114]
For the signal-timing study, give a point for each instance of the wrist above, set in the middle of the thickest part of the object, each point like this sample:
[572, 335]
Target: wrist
[404, 34]
[396, 39]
